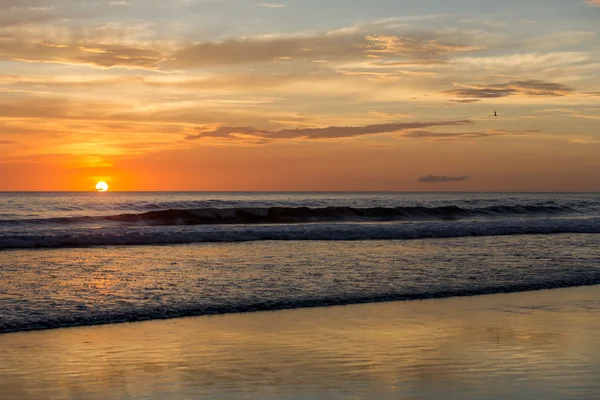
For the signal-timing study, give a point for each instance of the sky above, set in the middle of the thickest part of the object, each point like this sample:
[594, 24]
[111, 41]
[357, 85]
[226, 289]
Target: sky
[300, 95]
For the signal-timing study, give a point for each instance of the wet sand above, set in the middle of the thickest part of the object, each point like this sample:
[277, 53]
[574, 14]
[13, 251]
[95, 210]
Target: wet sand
[543, 344]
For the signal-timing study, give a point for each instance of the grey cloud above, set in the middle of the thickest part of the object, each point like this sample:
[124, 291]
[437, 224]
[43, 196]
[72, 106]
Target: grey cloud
[406, 48]
[256, 50]
[104, 45]
[101, 55]
[391, 44]
[515, 132]
[346, 44]
[530, 87]
[408, 63]
[433, 135]
[10, 4]
[466, 101]
[332, 132]
[481, 93]
[420, 134]
[441, 179]
[33, 12]
[11, 20]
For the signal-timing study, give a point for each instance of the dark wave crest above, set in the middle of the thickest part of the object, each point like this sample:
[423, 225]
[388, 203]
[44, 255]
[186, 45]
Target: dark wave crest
[146, 235]
[282, 215]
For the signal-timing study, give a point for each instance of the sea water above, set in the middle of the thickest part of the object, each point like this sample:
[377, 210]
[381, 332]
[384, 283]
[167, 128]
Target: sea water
[87, 258]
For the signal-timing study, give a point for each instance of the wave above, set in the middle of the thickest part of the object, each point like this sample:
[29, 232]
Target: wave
[153, 313]
[150, 235]
[279, 215]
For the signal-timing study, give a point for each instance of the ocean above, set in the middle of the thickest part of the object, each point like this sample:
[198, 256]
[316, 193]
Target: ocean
[69, 259]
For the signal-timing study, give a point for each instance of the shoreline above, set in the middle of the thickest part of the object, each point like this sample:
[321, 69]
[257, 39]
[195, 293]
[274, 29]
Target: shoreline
[253, 309]
[543, 343]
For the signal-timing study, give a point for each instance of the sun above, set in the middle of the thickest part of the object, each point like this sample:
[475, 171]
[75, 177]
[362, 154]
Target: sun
[102, 186]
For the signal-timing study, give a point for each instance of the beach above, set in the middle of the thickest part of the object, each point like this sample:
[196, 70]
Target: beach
[540, 344]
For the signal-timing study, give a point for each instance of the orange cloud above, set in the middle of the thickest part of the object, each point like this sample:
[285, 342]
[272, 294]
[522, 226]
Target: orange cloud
[530, 87]
[103, 55]
[417, 134]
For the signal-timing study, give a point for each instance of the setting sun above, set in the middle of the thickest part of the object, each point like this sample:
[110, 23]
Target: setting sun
[102, 186]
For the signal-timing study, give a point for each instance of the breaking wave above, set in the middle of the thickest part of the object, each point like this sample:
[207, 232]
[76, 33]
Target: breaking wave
[282, 215]
[147, 235]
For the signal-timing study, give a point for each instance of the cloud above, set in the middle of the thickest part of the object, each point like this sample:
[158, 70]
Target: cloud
[555, 110]
[270, 5]
[383, 114]
[103, 45]
[594, 2]
[241, 82]
[354, 43]
[514, 132]
[6, 142]
[136, 45]
[421, 134]
[15, 4]
[441, 179]
[571, 112]
[332, 132]
[465, 101]
[433, 135]
[530, 87]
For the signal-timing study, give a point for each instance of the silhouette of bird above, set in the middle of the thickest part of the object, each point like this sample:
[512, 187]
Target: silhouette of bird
[495, 114]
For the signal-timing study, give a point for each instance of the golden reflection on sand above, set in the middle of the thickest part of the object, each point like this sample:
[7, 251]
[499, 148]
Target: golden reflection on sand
[543, 343]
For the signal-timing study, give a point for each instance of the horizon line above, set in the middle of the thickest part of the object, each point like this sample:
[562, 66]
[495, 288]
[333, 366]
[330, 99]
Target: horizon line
[296, 191]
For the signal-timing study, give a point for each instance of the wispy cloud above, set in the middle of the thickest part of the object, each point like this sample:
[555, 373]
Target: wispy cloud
[332, 132]
[103, 46]
[421, 134]
[354, 43]
[530, 87]
[271, 5]
[571, 112]
[136, 47]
